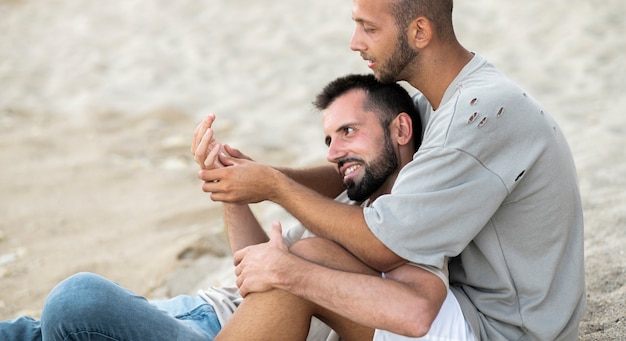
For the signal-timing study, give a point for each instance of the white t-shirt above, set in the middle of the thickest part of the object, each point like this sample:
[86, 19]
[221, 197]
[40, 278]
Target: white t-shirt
[226, 300]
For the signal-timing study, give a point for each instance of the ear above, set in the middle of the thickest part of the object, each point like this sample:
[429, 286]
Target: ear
[420, 32]
[403, 129]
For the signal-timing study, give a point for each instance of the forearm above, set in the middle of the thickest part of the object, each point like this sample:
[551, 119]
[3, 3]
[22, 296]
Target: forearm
[322, 179]
[242, 227]
[244, 181]
[342, 223]
[368, 300]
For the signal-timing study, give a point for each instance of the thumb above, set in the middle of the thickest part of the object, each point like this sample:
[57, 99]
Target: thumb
[276, 236]
[236, 152]
[276, 231]
[226, 160]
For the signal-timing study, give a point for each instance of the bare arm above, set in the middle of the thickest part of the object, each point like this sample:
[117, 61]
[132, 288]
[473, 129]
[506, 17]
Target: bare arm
[372, 301]
[244, 181]
[406, 303]
[323, 179]
[242, 227]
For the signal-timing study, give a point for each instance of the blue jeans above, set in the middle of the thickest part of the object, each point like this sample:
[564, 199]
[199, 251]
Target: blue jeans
[89, 307]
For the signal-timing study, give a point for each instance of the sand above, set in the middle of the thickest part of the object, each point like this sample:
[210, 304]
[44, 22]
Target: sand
[98, 100]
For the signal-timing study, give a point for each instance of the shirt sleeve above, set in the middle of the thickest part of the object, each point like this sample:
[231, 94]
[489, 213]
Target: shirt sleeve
[442, 273]
[440, 201]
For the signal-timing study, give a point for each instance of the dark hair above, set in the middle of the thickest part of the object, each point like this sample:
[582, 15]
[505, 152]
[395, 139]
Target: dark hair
[439, 12]
[386, 100]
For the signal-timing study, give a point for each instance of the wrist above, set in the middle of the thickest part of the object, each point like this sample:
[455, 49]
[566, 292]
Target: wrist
[279, 186]
[287, 273]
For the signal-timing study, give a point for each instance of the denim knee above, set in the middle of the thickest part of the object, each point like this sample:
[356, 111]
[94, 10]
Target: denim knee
[89, 307]
[77, 297]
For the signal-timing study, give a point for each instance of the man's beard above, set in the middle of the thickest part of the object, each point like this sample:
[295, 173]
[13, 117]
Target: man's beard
[375, 173]
[397, 63]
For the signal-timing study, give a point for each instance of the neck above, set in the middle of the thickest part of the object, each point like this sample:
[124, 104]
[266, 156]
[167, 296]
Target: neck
[437, 67]
[405, 156]
[385, 188]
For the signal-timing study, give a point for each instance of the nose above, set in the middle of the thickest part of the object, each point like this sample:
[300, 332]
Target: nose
[335, 152]
[356, 44]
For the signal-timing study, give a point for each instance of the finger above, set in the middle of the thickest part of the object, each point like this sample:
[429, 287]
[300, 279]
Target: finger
[203, 148]
[210, 175]
[276, 231]
[224, 198]
[226, 160]
[210, 161]
[239, 282]
[235, 152]
[215, 190]
[243, 290]
[197, 135]
[237, 258]
[200, 130]
[276, 236]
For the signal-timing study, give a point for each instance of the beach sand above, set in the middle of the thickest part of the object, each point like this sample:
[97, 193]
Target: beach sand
[98, 101]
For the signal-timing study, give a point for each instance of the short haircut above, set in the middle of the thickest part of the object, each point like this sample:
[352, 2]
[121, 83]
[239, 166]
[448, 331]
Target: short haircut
[386, 100]
[439, 12]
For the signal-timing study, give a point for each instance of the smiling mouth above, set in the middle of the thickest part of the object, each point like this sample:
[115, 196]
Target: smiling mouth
[350, 170]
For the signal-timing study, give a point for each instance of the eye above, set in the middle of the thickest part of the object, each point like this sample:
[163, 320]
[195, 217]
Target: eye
[368, 29]
[327, 141]
[348, 130]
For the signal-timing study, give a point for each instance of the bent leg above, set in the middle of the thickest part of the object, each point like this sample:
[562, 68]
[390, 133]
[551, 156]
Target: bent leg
[272, 315]
[89, 307]
[279, 315]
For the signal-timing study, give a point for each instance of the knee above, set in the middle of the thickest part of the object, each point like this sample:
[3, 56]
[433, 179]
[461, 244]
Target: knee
[75, 297]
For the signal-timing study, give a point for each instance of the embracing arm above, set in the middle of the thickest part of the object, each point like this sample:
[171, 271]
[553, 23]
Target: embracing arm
[403, 308]
[244, 181]
[406, 302]
[342, 223]
[322, 179]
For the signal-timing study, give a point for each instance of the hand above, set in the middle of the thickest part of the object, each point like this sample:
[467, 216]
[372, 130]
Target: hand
[258, 267]
[204, 147]
[241, 182]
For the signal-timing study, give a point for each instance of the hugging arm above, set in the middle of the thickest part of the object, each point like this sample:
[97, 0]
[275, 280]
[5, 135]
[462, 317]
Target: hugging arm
[321, 272]
[244, 181]
[322, 179]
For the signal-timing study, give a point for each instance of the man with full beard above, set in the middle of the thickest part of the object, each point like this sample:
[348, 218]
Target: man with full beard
[493, 189]
[369, 129]
[370, 136]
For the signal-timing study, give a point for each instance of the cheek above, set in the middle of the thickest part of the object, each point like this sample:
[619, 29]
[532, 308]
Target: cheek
[382, 46]
[371, 146]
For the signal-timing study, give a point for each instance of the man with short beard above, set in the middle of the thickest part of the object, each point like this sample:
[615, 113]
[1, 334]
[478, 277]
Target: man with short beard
[369, 141]
[369, 131]
[370, 135]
